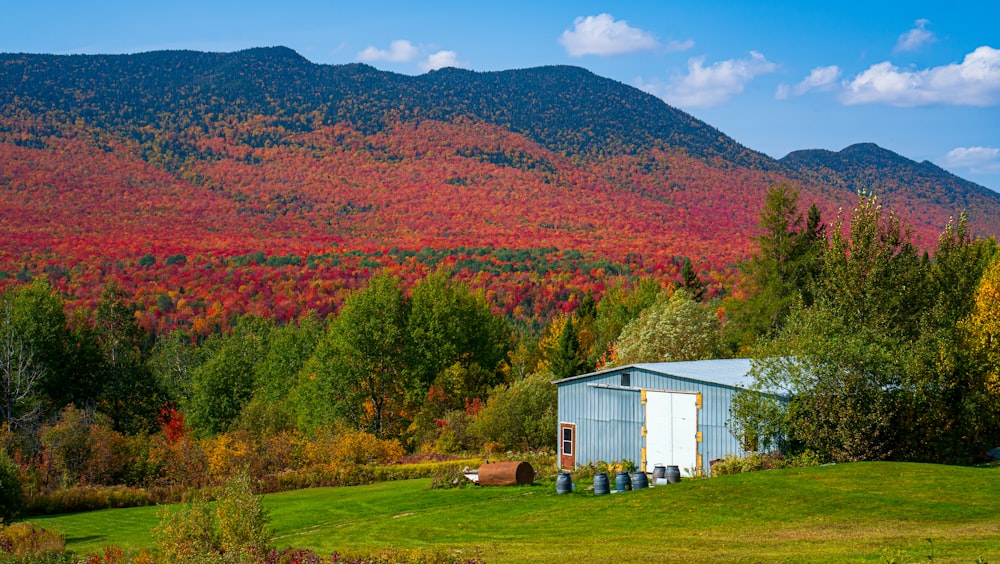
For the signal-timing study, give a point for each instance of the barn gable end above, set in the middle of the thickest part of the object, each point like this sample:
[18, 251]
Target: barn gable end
[630, 411]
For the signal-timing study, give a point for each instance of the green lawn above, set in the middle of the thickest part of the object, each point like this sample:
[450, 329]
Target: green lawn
[874, 512]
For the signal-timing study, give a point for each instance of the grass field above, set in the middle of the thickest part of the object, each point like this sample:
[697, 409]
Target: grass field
[865, 512]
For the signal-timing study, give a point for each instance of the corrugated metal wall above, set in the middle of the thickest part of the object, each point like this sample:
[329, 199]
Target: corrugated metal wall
[609, 417]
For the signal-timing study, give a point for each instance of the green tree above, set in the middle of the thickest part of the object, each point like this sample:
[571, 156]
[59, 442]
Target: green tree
[173, 360]
[846, 359]
[129, 392]
[873, 274]
[288, 349]
[34, 317]
[675, 327]
[691, 282]
[619, 305]
[225, 382]
[565, 360]
[446, 324]
[947, 379]
[11, 494]
[781, 273]
[359, 371]
[980, 400]
[521, 415]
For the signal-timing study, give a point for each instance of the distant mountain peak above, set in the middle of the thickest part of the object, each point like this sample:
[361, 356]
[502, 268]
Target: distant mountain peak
[867, 167]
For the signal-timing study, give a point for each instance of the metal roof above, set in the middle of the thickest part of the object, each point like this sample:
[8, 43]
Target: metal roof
[732, 372]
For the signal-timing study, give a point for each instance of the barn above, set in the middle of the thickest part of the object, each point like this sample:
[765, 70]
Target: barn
[669, 413]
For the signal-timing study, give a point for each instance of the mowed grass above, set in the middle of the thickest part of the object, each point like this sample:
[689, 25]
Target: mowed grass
[865, 512]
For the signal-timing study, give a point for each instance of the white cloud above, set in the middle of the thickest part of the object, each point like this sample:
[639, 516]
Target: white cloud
[915, 38]
[782, 91]
[440, 60]
[712, 85]
[400, 51]
[820, 78]
[973, 82]
[674, 46]
[602, 35]
[979, 160]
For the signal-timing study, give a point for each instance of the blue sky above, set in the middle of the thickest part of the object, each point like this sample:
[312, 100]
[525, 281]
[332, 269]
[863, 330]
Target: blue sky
[919, 78]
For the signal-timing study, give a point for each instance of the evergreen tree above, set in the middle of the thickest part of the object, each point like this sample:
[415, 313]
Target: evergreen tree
[781, 273]
[691, 282]
[565, 360]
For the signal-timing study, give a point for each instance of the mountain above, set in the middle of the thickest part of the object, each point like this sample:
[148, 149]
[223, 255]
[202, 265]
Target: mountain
[906, 186]
[257, 181]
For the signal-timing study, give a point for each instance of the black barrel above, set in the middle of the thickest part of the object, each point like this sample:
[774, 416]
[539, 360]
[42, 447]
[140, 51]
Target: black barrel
[564, 483]
[622, 482]
[639, 480]
[601, 484]
[673, 474]
[659, 471]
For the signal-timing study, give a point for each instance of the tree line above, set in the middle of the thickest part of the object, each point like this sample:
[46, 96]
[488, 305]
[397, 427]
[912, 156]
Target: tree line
[880, 351]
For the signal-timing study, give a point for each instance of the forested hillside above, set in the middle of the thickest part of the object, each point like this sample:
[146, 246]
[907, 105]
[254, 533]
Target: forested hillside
[214, 184]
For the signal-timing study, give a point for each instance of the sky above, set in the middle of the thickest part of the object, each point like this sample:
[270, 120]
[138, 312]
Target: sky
[918, 78]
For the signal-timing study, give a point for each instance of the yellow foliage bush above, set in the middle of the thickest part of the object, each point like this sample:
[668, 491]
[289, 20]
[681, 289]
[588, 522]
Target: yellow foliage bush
[228, 453]
[351, 447]
[25, 539]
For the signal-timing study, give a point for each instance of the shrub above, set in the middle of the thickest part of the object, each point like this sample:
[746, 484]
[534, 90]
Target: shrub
[11, 496]
[235, 531]
[755, 461]
[520, 416]
[229, 453]
[66, 443]
[26, 540]
[180, 462]
[351, 447]
[242, 521]
[86, 498]
[187, 534]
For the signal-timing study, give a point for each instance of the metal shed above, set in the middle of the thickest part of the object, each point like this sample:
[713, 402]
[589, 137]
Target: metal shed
[670, 413]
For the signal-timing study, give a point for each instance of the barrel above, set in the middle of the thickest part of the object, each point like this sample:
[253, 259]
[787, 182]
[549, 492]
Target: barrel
[601, 484]
[673, 474]
[639, 480]
[564, 483]
[659, 471]
[622, 482]
[506, 474]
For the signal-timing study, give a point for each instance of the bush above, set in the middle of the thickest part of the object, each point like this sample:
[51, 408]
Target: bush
[26, 540]
[521, 416]
[11, 496]
[755, 462]
[87, 498]
[351, 447]
[235, 531]
[187, 533]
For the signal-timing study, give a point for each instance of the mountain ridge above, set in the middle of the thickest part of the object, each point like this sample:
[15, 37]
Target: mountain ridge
[106, 158]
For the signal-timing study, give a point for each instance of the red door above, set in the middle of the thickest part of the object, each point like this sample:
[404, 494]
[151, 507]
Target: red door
[567, 446]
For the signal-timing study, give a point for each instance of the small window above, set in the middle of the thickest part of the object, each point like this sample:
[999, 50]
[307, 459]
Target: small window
[626, 379]
[567, 441]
